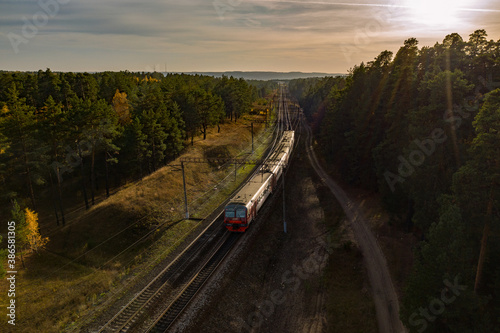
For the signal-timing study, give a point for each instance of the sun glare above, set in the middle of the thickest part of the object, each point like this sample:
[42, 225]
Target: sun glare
[436, 13]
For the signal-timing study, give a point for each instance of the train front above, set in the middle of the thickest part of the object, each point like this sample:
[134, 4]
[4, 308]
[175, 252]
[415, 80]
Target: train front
[235, 217]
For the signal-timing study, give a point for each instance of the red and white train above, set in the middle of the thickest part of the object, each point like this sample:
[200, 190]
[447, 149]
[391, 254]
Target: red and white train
[244, 205]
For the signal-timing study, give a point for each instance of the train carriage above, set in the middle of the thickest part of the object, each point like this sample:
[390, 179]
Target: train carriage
[244, 205]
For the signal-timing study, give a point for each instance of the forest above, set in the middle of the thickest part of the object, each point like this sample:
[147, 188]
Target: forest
[63, 133]
[422, 129]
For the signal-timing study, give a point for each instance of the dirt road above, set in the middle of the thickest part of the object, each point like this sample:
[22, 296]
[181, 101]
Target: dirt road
[384, 294]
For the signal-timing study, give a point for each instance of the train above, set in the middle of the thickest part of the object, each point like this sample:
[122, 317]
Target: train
[244, 206]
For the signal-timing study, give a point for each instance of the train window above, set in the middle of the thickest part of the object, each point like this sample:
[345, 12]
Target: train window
[230, 213]
[242, 212]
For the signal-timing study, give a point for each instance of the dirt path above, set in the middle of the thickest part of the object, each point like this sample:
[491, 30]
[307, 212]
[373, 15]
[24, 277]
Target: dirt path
[384, 294]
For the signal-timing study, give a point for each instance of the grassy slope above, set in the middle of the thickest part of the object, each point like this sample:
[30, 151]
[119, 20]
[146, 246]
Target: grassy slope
[88, 258]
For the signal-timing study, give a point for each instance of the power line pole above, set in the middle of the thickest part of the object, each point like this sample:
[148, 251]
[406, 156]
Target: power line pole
[252, 138]
[176, 168]
[185, 192]
[284, 210]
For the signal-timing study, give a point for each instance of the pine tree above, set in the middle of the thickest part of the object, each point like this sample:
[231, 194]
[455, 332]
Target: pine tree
[100, 131]
[21, 232]
[443, 260]
[171, 121]
[439, 93]
[138, 144]
[3, 258]
[54, 130]
[156, 136]
[209, 109]
[478, 182]
[4, 147]
[48, 85]
[18, 125]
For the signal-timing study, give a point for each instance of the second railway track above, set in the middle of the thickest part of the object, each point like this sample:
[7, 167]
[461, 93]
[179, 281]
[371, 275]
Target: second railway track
[175, 309]
[172, 279]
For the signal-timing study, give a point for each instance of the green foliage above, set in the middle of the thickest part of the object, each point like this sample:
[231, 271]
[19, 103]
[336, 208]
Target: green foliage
[3, 259]
[17, 124]
[476, 182]
[237, 96]
[485, 146]
[443, 258]
[422, 129]
[59, 129]
[263, 89]
[19, 218]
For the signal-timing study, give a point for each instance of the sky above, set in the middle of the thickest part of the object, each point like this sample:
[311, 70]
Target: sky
[226, 35]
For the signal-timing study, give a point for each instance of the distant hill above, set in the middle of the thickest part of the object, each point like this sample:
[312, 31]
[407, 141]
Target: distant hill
[266, 75]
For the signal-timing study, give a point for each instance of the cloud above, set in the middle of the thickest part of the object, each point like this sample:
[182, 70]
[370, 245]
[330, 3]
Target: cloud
[213, 34]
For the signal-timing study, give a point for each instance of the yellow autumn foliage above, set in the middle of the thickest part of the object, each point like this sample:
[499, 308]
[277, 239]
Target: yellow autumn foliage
[122, 107]
[34, 240]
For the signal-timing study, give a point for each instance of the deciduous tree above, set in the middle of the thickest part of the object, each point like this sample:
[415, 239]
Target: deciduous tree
[34, 241]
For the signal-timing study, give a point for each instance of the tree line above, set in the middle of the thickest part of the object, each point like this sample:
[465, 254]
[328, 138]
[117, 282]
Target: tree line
[63, 133]
[422, 128]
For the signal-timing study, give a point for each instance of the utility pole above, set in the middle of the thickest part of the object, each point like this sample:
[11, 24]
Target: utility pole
[176, 168]
[251, 129]
[284, 210]
[252, 137]
[185, 192]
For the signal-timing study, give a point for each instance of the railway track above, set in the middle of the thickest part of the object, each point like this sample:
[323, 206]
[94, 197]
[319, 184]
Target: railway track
[170, 280]
[169, 316]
